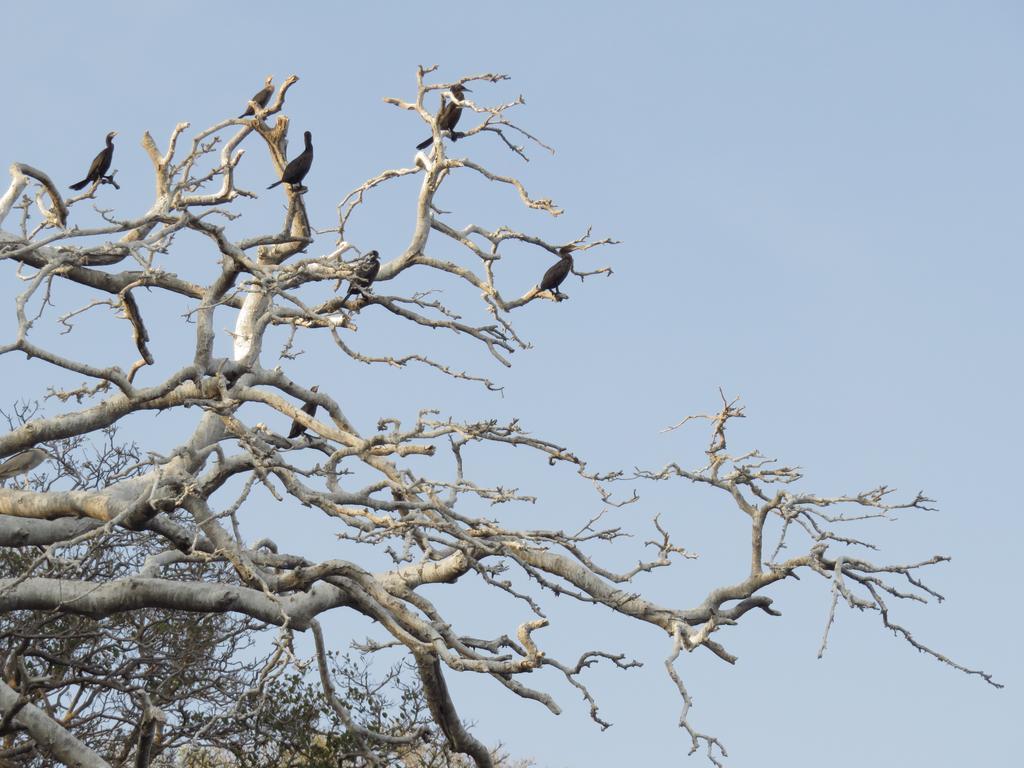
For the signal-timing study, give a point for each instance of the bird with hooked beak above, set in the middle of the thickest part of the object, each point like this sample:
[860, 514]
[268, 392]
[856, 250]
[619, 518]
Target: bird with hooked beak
[448, 115]
[298, 167]
[261, 98]
[557, 273]
[100, 165]
[366, 270]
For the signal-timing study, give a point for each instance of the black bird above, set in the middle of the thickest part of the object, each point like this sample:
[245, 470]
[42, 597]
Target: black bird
[310, 408]
[100, 164]
[366, 272]
[262, 97]
[557, 273]
[448, 115]
[297, 169]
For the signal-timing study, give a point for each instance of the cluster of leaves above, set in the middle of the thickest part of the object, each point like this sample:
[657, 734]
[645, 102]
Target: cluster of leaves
[289, 725]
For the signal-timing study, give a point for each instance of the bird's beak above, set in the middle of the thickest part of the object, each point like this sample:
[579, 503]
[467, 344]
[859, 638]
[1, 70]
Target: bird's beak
[467, 90]
[113, 133]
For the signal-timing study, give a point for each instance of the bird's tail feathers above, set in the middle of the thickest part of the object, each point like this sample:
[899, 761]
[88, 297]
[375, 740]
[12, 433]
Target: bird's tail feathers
[79, 185]
[425, 144]
[274, 185]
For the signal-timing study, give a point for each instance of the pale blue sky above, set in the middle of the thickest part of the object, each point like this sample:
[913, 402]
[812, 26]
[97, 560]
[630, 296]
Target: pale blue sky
[819, 209]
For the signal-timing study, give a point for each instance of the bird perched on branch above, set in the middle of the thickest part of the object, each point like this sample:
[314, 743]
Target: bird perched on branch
[557, 273]
[22, 463]
[261, 99]
[100, 164]
[366, 270]
[447, 115]
[309, 408]
[297, 169]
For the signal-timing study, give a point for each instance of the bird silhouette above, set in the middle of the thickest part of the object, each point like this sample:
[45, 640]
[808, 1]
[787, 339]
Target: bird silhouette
[309, 408]
[297, 169]
[261, 98]
[100, 164]
[557, 272]
[366, 270]
[448, 115]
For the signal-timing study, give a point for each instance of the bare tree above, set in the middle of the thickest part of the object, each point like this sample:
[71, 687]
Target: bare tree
[168, 534]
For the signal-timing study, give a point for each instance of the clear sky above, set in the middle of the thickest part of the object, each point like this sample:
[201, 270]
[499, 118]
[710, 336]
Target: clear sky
[819, 209]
